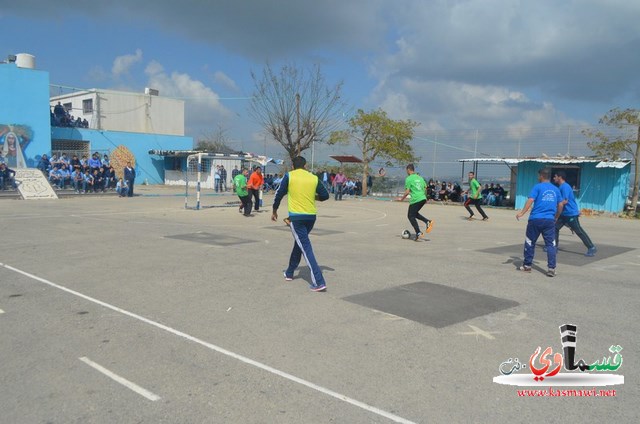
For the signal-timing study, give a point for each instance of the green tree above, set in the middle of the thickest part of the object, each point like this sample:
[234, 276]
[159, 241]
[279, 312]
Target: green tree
[611, 146]
[377, 137]
[296, 106]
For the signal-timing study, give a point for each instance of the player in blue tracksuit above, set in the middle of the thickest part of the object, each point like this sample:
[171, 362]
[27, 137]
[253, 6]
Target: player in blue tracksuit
[571, 214]
[547, 207]
[302, 189]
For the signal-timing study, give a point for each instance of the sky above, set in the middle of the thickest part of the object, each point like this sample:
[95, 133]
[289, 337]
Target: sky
[468, 71]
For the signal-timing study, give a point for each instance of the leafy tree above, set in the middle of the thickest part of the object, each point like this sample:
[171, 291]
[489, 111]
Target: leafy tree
[611, 146]
[378, 137]
[296, 106]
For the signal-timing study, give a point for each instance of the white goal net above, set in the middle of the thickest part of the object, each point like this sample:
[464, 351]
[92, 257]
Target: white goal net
[202, 188]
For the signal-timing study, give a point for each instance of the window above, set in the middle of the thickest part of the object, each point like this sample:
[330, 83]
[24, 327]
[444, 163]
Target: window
[573, 176]
[173, 163]
[87, 106]
[70, 147]
[68, 107]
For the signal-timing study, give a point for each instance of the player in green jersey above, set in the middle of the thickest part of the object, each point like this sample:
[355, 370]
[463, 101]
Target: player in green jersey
[416, 186]
[475, 197]
[240, 185]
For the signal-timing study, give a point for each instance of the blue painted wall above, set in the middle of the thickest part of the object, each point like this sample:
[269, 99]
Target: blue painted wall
[527, 178]
[604, 189]
[148, 167]
[24, 108]
[601, 189]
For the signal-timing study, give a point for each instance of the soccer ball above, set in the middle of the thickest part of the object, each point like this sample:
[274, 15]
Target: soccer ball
[406, 234]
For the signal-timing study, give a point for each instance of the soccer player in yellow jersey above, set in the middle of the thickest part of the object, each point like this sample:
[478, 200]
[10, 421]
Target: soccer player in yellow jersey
[302, 188]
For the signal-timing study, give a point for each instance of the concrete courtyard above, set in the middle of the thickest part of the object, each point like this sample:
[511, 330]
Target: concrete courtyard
[138, 311]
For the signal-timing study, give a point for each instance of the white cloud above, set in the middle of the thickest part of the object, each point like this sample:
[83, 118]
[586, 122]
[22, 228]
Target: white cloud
[224, 80]
[98, 74]
[578, 50]
[448, 103]
[122, 64]
[203, 107]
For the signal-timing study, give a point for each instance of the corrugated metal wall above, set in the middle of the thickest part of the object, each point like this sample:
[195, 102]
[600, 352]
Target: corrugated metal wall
[604, 189]
[601, 189]
[527, 178]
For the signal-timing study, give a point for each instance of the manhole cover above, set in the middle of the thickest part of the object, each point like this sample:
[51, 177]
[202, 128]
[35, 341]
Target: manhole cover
[431, 304]
[570, 253]
[213, 239]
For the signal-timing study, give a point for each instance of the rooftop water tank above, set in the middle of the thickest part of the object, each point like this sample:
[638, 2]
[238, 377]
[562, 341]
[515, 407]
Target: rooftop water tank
[25, 60]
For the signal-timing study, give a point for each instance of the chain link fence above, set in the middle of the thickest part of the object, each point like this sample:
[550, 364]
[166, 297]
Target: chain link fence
[440, 152]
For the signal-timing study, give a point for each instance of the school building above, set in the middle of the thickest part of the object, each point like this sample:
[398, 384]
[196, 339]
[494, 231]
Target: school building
[124, 124]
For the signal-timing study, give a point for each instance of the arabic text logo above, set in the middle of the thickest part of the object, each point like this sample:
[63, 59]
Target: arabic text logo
[545, 364]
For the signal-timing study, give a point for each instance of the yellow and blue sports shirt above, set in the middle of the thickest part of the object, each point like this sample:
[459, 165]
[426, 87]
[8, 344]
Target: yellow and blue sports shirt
[301, 187]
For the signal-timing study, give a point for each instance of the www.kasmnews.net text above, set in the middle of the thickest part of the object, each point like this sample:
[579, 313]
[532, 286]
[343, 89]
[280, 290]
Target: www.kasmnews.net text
[550, 392]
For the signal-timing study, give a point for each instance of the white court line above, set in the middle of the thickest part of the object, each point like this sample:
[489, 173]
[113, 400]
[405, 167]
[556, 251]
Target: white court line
[80, 215]
[1, 311]
[218, 349]
[478, 332]
[384, 214]
[128, 384]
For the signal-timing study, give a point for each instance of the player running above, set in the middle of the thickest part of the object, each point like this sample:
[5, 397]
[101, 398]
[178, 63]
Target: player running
[416, 186]
[475, 197]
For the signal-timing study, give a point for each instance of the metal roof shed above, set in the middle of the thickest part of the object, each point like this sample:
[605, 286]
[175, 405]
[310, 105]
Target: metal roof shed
[346, 158]
[599, 184]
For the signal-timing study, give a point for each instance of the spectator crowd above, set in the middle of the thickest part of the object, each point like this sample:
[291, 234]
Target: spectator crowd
[60, 117]
[83, 175]
[492, 194]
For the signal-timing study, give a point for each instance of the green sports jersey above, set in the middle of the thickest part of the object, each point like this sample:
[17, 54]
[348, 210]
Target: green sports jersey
[240, 181]
[417, 186]
[475, 187]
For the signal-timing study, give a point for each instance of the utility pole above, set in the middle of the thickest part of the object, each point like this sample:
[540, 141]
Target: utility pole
[636, 178]
[435, 145]
[475, 149]
[298, 119]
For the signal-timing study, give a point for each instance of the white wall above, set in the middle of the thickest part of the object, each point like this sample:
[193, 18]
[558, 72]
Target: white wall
[131, 112]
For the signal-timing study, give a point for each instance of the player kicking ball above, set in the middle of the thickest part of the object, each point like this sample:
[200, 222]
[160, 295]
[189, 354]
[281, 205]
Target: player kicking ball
[416, 186]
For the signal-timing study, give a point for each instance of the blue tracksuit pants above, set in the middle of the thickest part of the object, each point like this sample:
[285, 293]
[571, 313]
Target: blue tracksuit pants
[547, 228]
[302, 247]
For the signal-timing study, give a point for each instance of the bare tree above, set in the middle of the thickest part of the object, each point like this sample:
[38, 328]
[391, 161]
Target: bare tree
[215, 141]
[296, 106]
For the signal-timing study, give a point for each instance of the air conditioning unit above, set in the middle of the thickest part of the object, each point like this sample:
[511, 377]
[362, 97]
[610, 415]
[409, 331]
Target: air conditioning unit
[151, 91]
